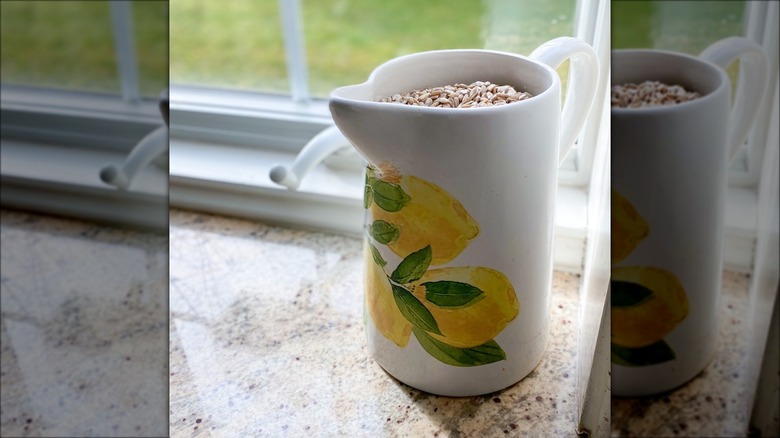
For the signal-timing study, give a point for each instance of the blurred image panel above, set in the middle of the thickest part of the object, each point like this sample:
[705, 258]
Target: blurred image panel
[83, 223]
[694, 150]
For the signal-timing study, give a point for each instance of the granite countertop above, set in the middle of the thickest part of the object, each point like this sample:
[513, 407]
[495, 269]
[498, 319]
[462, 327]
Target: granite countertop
[266, 339]
[84, 336]
[713, 403]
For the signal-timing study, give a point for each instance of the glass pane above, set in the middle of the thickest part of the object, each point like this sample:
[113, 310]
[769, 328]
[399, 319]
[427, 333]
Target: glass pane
[70, 44]
[346, 41]
[241, 44]
[58, 44]
[683, 26]
[235, 44]
[150, 26]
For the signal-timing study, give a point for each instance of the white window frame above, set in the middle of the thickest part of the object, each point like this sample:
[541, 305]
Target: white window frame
[264, 129]
[55, 142]
[758, 27]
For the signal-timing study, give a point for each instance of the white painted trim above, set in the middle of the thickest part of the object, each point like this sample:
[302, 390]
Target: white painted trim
[233, 180]
[51, 178]
[124, 48]
[593, 363]
[761, 26]
[765, 281]
[53, 144]
[61, 102]
[294, 49]
[739, 242]
[592, 26]
[766, 403]
[595, 413]
[251, 119]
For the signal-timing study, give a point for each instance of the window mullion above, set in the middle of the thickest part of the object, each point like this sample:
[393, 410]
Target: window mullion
[122, 28]
[761, 27]
[585, 21]
[294, 49]
[592, 26]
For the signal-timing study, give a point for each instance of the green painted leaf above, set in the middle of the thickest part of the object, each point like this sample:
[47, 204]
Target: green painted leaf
[377, 256]
[486, 353]
[626, 294]
[388, 196]
[452, 293]
[413, 266]
[414, 311]
[383, 232]
[638, 357]
[368, 196]
[617, 359]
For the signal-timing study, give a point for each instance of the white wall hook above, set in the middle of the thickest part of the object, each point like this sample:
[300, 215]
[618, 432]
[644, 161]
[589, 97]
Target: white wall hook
[324, 144]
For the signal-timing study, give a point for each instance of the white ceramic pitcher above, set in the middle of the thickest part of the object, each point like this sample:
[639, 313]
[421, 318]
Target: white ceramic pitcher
[669, 181]
[459, 212]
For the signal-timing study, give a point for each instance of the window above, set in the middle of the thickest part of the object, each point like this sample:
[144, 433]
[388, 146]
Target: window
[70, 45]
[236, 45]
[264, 96]
[682, 27]
[80, 87]
[242, 45]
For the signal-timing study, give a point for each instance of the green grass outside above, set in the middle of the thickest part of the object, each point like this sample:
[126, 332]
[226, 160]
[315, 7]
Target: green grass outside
[682, 26]
[238, 43]
[69, 44]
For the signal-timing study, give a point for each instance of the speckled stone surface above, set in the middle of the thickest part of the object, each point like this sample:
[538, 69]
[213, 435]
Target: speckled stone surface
[84, 335]
[713, 403]
[266, 339]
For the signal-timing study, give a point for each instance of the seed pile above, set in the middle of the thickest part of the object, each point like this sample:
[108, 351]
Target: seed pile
[650, 93]
[477, 94]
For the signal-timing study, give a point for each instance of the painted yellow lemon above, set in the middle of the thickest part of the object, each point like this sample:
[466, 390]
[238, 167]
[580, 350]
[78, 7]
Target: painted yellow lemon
[430, 216]
[628, 227]
[471, 305]
[381, 306]
[647, 304]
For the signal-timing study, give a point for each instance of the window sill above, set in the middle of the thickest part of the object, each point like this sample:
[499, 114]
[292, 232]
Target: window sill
[67, 182]
[54, 144]
[233, 180]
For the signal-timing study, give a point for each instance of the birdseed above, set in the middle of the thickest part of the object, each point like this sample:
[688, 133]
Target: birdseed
[474, 95]
[650, 93]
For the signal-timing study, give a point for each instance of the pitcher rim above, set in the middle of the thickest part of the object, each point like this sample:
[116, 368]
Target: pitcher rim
[702, 100]
[334, 95]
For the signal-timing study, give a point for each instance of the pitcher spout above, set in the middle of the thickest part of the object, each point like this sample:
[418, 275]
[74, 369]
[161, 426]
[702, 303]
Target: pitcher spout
[356, 114]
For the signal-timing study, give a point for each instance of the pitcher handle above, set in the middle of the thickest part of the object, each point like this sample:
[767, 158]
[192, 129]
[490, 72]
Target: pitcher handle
[753, 83]
[581, 88]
